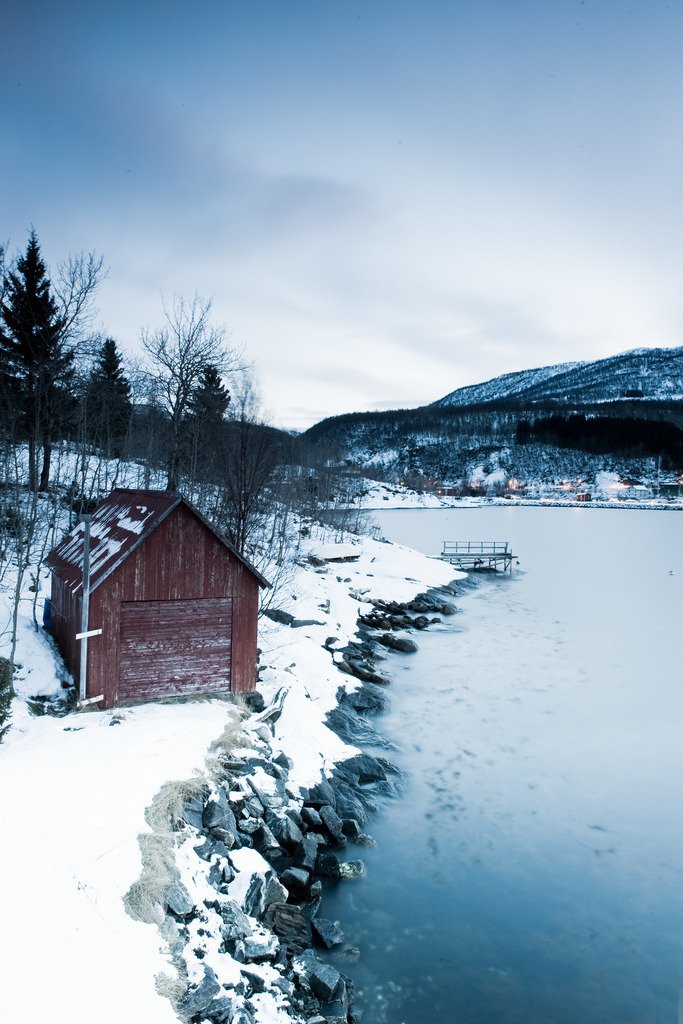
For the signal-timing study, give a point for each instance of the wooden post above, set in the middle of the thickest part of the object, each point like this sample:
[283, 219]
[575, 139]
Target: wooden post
[85, 609]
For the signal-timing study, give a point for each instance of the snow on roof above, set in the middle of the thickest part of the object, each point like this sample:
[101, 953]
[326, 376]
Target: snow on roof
[119, 525]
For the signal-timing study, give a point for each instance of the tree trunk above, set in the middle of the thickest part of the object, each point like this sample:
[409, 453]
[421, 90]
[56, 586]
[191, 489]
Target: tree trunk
[173, 472]
[32, 467]
[45, 471]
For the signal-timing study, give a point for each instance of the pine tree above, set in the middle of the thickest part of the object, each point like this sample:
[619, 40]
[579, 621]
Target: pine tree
[207, 407]
[36, 367]
[210, 399]
[108, 406]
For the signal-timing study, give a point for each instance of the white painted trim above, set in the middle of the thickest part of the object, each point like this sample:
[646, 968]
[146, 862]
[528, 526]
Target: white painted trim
[90, 700]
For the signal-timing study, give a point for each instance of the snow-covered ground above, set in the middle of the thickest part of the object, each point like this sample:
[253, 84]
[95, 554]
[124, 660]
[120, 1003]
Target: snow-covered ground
[75, 790]
[382, 496]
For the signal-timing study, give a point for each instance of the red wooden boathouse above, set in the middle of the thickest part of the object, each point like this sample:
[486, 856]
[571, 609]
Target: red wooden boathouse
[176, 604]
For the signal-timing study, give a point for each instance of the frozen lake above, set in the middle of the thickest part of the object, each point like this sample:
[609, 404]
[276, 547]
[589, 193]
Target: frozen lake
[532, 873]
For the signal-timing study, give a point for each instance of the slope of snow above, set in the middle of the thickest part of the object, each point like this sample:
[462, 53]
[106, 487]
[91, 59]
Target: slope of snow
[505, 386]
[656, 372]
[75, 790]
[74, 793]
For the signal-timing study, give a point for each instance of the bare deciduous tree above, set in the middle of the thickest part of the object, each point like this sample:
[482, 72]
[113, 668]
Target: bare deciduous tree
[180, 349]
[247, 459]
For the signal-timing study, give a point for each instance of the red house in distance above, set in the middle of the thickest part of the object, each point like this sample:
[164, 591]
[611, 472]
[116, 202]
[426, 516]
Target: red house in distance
[176, 604]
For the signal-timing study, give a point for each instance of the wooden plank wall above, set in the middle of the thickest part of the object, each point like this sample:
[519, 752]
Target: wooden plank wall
[244, 631]
[182, 560]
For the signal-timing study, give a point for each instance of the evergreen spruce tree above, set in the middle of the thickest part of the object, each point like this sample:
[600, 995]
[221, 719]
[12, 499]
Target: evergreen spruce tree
[108, 406]
[210, 399]
[35, 366]
[207, 407]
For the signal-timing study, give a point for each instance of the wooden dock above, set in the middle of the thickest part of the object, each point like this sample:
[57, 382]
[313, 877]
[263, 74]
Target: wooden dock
[478, 555]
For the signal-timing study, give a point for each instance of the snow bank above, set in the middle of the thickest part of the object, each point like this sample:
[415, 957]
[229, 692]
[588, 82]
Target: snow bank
[75, 790]
[74, 794]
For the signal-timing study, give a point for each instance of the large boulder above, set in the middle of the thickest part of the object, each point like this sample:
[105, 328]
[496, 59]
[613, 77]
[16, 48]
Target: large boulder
[218, 817]
[324, 980]
[364, 701]
[328, 933]
[334, 824]
[320, 794]
[178, 899]
[200, 996]
[398, 643]
[290, 925]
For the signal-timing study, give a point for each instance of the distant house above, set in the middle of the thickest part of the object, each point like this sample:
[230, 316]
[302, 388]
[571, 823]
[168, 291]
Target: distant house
[176, 604]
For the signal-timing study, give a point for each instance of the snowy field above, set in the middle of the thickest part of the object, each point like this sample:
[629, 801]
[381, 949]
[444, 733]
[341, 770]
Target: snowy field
[384, 497]
[75, 790]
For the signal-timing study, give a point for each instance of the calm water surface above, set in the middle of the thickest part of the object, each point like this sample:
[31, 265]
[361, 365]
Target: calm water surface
[532, 873]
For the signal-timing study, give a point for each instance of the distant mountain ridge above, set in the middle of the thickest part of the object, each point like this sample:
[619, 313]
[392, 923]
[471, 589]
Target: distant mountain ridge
[554, 422]
[650, 373]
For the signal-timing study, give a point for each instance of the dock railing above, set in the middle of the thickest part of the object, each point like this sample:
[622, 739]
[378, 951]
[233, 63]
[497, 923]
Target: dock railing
[478, 554]
[475, 547]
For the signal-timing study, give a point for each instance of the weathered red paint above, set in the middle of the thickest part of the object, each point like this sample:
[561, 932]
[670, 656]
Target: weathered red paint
[177, 607]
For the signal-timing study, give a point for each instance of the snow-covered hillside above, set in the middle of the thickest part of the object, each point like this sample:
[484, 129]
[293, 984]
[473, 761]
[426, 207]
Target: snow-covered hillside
[507, 385]
[76, 790]
[650, 373]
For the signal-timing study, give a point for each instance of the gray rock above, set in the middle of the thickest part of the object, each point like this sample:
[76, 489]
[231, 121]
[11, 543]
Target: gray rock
[260, 947]
[353, 728]
[235, 923]
[193, 812]
[328, 866]
[242, 1016]
[398, 643]
[254, 807]
[333, 824]
[278, 615]
[220, 874]
[361, 670]
[274, 892]
[286, 830]
[307, 853]
[296, 623]
[198, 998]
[365, 768]
[320, 794]
[351, 828]
[218, 816]
[254, 701]
[364, 701]
[311, 817]
[327, 932]
[219, 1011]
[210, 847]
[266, 839]
[254, 979]
[178, 899]
[290, 925]
[283, 761]
[352, 869]
[324, 980]
[250, 825]
[253, 900]
[350, 804]
[295, 879]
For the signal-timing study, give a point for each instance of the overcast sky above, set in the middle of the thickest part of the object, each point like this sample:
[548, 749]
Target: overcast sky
[386, 200]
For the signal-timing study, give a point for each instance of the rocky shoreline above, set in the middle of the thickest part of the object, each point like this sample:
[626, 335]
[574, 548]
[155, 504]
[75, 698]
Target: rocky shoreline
[253, 853]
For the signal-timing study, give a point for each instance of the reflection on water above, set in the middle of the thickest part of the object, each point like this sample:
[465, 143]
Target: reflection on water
[532, 870]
